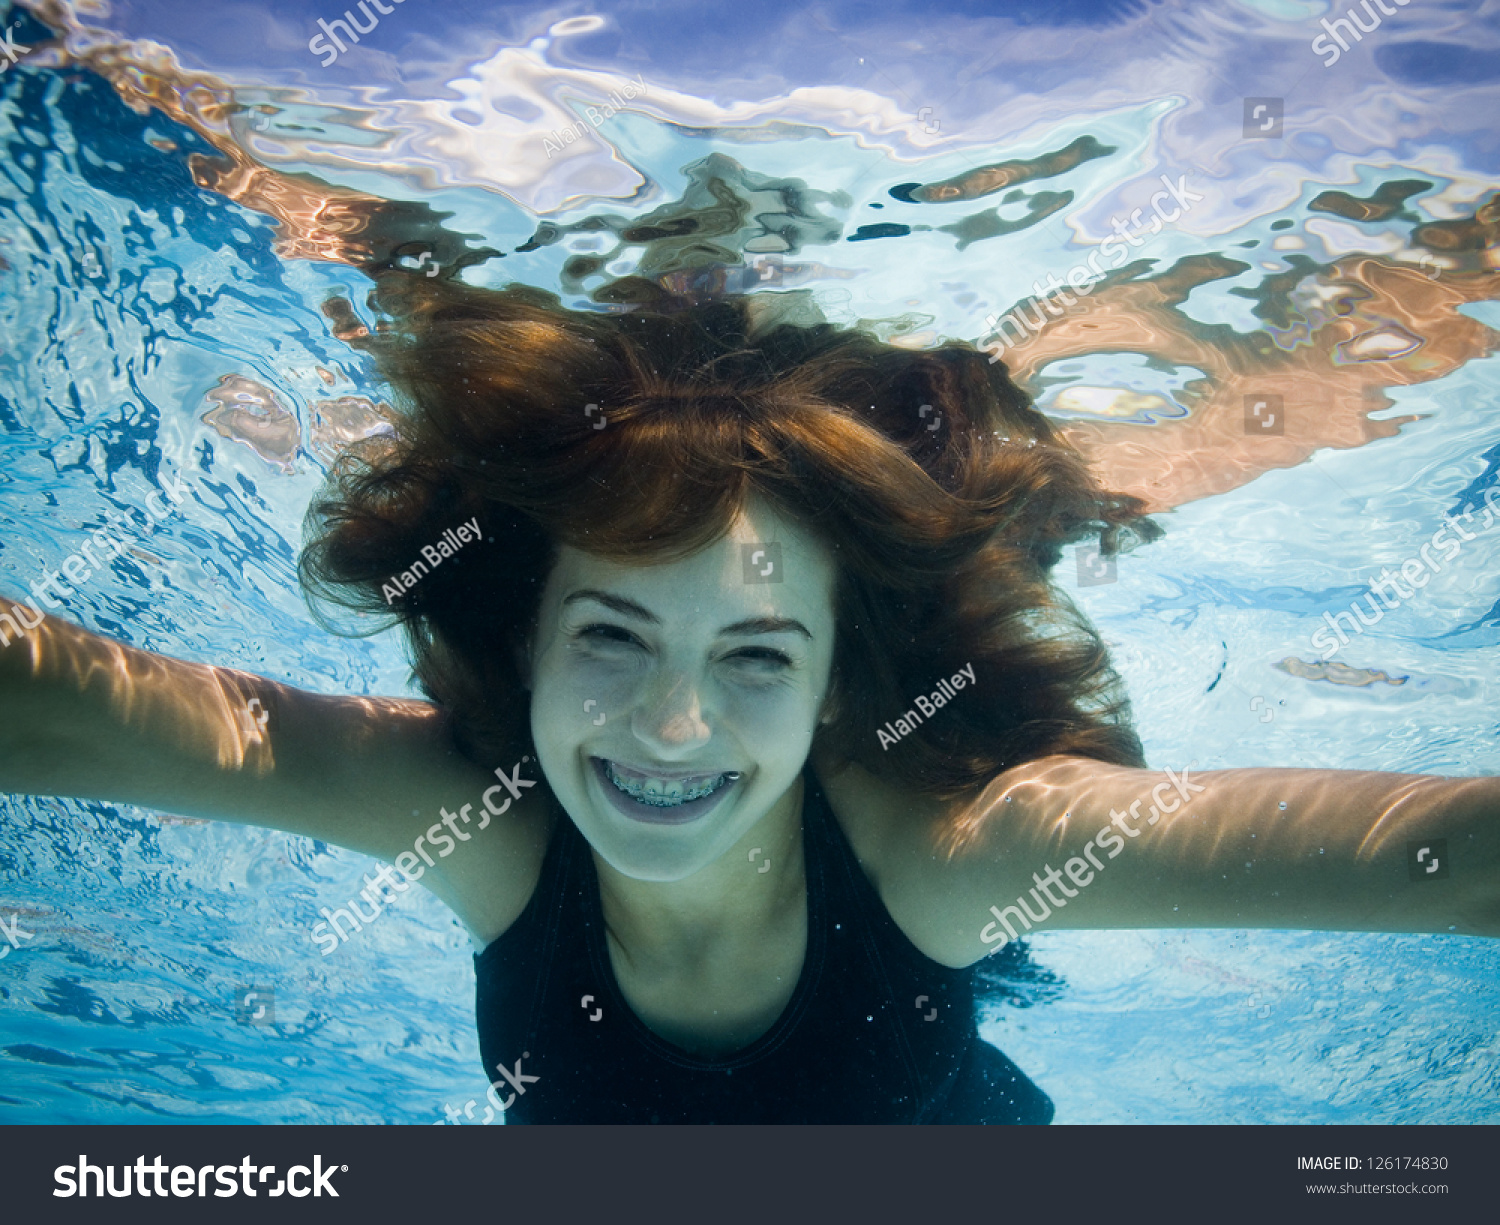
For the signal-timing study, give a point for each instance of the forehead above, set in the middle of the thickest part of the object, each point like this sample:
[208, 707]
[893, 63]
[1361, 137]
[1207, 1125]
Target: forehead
[765, 564]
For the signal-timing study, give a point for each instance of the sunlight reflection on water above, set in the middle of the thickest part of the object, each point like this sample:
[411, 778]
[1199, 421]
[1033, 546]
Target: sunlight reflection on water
[165, 274]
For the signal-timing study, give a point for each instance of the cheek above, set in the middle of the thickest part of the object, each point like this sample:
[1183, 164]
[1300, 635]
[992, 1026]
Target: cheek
[773, 716]
[571, 691]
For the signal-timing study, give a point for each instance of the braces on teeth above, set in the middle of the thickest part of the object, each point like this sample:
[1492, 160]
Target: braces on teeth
[660, 799]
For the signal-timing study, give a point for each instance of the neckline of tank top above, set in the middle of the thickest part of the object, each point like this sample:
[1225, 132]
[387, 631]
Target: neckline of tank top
[815, 854]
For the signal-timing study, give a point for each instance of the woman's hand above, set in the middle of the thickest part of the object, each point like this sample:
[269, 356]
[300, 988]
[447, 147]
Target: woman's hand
[1068, 842]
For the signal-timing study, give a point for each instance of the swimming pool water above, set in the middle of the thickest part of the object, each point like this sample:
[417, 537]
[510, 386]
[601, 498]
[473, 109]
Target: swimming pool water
[163, 281]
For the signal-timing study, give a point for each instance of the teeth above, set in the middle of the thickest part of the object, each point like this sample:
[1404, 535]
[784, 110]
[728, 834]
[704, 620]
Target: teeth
[660, 793]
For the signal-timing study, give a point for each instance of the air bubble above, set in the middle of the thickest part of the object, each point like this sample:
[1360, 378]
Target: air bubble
[1282, 804]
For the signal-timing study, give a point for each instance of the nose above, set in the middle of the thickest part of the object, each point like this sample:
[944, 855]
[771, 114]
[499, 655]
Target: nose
[669, 719]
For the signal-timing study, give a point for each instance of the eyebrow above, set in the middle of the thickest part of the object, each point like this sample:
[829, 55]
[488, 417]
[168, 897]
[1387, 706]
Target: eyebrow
[749, 627]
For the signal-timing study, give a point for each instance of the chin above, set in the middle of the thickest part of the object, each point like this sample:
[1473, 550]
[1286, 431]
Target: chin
[650, 866]
[657, 855]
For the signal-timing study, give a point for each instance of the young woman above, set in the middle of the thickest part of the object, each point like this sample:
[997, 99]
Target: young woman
[754, 625]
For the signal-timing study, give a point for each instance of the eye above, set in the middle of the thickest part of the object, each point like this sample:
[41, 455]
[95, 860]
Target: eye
[600, 632]
[765, 657]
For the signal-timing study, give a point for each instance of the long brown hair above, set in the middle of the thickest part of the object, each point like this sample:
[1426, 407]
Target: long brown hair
[945, 497]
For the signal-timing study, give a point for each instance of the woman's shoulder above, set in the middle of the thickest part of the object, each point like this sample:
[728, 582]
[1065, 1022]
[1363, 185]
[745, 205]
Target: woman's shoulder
[915, 848]
[879, 816]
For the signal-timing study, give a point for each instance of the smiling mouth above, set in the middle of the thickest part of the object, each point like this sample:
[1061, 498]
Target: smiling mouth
[665, 793]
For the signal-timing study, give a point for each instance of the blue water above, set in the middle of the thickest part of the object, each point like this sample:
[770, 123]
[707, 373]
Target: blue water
[129, 294]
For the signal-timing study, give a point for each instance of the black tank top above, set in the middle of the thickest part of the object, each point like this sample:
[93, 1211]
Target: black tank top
[875, 1032]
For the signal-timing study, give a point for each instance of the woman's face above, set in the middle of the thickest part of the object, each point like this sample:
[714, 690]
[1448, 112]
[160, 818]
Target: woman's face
[673, 705]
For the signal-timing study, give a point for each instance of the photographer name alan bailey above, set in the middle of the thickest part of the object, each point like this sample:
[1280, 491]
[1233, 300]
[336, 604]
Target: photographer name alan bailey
[929, 706]
[566, 136]
[452, 541]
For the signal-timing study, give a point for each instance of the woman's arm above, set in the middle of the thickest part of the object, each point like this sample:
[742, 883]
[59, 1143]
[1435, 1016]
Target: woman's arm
[1067, 842]
[88, 717]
